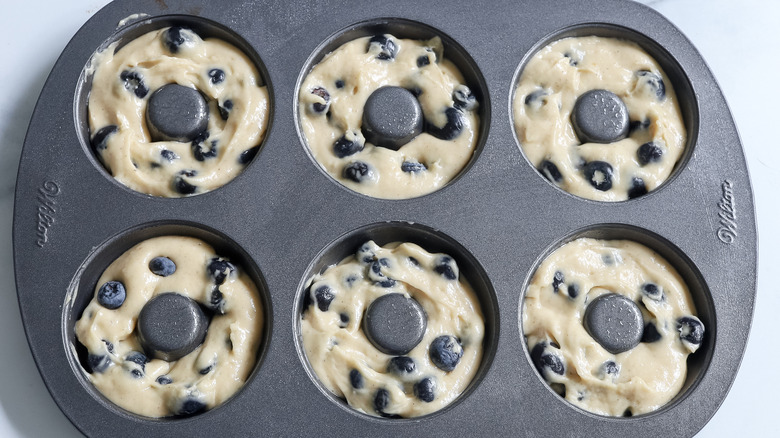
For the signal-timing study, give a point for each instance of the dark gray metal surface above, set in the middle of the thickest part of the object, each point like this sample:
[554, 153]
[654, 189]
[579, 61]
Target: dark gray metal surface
[176, 113]
[498, 219]
[615, 322]
[392, 117]
[394, 323]
[170, 326]
[600, 116]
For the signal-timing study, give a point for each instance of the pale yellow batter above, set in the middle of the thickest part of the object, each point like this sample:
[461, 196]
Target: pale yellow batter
[341, 354]
[208, 375]
[348, 76]
[630, 383]
[546, 93]
[121, 86]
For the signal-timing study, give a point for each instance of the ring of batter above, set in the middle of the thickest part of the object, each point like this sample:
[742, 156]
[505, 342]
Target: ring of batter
[203, 379]
[544, 99]
[575, 365]
[122, 84]
[427, 378]
[330, 108]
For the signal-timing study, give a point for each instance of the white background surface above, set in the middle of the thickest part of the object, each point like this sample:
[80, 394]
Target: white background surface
[738, 39]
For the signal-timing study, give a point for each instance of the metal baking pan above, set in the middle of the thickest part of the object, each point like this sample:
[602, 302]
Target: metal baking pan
[284, 219]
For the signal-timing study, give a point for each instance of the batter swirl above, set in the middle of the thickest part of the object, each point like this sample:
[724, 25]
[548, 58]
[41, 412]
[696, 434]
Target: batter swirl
[124, 81]
[131, 377]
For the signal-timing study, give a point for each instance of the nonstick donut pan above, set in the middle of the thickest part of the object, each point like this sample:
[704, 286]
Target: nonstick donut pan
[284, 219]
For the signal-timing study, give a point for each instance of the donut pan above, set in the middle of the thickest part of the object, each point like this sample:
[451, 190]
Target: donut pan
[284, 218]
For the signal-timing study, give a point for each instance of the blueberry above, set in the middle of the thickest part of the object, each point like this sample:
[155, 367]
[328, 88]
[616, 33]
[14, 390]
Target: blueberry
[463, 98]
[356, 379]
[424, 389]
[652, 291]
[162, 266]
[174, 38]
[320, 107]
[323, 295]
[437, 51]
[111, 295]
[198, 145]
[100, 139]
[445, 352]
[219, 269]
[451, 129]
[547, 360]
[191, 407]
[416, 91]
[691, 330]
[385, 283]
[610, 368]
[224, 109]
[182, 186]
[217, 301]
[358, 172]
[164, 380]
[98, 363]
[343, 320]
[446, 267]
[599, 175]
[348, 145]
[365, 254]
[401, 365]
[550, 171]
[248, 155]
[535, 97]
[134, 82]
[339, 83]
[138, 358]
[637, 188]
[217, 76]
[351, 280]
[377, 276]
[649, 153]
[413, 167]
[654, 81]
[628, 413]
[573, 290]
[558, 279]
[423, 60]
[572, 62]
[637, 125]
[650, 333]
[381, 400]
[385, 45]
[168, 155]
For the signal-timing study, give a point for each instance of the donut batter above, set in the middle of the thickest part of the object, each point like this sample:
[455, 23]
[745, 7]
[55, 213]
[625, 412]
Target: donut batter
[124, 80]
[544, 99]
[633, 382]
[351, 367]
[330, 109]
[205, 377]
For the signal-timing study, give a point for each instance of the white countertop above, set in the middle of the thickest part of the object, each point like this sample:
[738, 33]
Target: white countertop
[737, 38]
